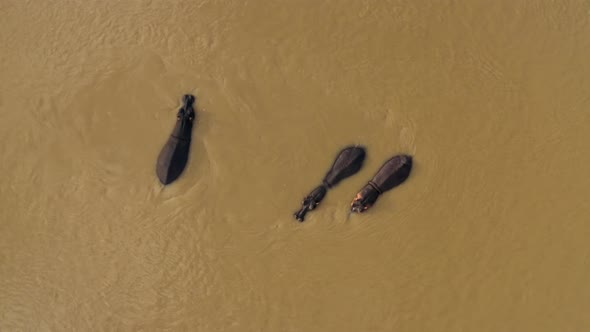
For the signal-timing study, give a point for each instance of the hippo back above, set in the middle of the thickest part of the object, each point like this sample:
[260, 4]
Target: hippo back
[393, 173]
[349, 161]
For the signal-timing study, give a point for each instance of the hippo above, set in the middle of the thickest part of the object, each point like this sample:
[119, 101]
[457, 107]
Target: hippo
[348, 162]
[393, 173]
[174, 155]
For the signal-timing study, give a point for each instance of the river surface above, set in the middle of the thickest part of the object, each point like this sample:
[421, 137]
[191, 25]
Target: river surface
[490, 232]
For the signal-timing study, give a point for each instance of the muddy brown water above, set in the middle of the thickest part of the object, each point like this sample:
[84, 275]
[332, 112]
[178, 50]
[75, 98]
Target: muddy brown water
[489, 233]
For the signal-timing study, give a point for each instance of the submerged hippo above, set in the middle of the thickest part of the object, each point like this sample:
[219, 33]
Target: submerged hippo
[174, 155]
[393, 173]
[349, 161]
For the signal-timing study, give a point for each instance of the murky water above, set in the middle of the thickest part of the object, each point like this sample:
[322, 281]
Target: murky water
[490, 233]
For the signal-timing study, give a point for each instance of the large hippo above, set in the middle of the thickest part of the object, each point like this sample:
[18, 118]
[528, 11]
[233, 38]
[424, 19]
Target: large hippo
[348, 162]
[393, 173]
[174, 155]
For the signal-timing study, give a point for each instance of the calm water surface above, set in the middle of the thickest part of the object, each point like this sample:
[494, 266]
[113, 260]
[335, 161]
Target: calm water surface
[490, 233]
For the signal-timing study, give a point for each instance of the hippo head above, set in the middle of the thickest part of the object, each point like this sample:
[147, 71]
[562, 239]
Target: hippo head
[311, 202]
[186, 114]
[364, 199]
